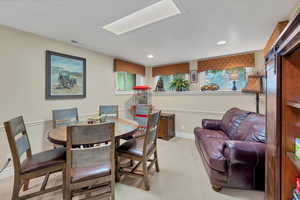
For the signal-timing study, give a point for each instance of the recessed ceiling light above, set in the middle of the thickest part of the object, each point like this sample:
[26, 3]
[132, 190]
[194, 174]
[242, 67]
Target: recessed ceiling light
[222, 42]
[150, 56]
[153, 13]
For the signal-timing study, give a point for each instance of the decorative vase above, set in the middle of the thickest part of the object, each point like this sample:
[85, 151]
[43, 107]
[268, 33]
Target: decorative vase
[234, 86]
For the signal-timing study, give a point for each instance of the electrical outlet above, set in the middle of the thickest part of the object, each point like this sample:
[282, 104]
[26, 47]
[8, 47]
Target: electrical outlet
[182, 127]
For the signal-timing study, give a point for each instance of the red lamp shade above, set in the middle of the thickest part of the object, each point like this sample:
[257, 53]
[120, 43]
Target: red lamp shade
[142, 87]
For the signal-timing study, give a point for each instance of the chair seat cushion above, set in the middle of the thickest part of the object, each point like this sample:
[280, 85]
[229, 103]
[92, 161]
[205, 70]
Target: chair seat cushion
[134, 147]
[92, 172]
[44, 159]
[211, 143]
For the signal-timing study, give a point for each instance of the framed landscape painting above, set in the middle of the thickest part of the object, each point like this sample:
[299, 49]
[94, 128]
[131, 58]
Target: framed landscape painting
[65, 76]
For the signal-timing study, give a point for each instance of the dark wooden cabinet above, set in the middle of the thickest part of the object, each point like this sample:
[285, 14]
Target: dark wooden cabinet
[283, 113]
[166, 129]
[273, 142]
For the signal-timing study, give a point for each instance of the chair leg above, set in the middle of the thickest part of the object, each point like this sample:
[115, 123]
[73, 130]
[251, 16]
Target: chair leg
[26, 185]
[45, 182]
[64, 183]
[67, 195]
[16, 189]
[156, 162]
[145, 172]
[67, 190]
[217, 188]
[112, 196]
[117, 172]
[131, 163]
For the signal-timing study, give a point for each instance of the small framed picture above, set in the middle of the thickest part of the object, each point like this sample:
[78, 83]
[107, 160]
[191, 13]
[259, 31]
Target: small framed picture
[194, 76]
[65, 76]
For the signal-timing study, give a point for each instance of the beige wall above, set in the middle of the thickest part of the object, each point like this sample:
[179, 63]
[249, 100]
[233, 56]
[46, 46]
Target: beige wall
[22, 84]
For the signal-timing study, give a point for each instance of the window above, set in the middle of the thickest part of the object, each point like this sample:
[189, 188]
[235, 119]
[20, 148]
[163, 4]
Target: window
[222, 78]
[125, 81]
[168, 78]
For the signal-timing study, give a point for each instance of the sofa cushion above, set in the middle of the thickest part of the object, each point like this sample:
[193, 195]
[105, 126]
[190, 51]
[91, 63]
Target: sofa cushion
[252, 129]
[232, 120]
[256, 128]
[211, 144]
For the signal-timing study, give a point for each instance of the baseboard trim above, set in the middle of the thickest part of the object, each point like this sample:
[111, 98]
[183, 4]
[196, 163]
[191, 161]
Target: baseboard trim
[185, 135]
[8, 172]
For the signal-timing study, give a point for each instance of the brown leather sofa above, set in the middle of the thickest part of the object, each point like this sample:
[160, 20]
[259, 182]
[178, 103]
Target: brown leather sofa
[233, 149]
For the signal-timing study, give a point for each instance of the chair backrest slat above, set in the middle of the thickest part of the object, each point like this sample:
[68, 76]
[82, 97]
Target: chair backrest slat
[141, 114]
[64, 117]
[91, 134]
[18, 140]
[152, 130]
[110, 110]
[17, 126]
[91, 156]
[22, 145]
[101, 134]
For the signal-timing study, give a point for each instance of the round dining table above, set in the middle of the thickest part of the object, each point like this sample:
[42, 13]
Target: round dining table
[124, 128]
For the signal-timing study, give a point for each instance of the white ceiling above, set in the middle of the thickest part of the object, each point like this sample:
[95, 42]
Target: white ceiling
[244, 24]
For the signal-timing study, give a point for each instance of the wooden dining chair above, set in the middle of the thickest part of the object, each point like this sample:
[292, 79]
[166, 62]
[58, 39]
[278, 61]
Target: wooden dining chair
[32, 165]
[64, 117]
[141, 113]
[109, 110]
[141, 150]
[90, 170]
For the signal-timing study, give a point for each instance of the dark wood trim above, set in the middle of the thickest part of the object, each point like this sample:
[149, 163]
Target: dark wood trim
[273, 129]
[275, 35]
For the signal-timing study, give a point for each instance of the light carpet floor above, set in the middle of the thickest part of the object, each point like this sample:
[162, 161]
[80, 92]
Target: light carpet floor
[182, 177]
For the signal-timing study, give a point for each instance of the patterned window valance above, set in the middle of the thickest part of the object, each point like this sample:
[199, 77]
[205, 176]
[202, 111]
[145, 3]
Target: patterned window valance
[228, 62]
[180, 68]
[125, 66]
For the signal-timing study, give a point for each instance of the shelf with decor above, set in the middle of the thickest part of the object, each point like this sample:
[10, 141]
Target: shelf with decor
[294, 159]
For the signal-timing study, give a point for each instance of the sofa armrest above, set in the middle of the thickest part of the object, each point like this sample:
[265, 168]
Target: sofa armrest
[250, 153]
[211, 124]
[245, 163]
